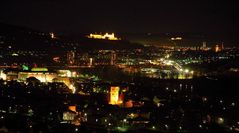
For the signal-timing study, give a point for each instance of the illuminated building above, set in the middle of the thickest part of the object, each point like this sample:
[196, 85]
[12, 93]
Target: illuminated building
[115, 97]
[69, 116]
[217, 48]
[41, 74]
[70, 57]
[105, 36]
[11, 75]
[204, 47]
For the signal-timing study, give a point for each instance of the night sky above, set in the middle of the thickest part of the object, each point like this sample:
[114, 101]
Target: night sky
[159, 16]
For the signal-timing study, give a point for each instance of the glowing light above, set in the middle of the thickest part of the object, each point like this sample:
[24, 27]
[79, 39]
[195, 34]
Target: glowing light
[221, 101]
[65, 73]
[91, 62]
[220, 120]
[180, 128]
[132, 115]
[52, 35]
[14, 54]
[68, 73]
[125, 120]
[71, 87]
[204, 99]
[168, 62]
[186, 70]
[25, 68]
[73, 74]
[129, 104]
[153, 127]
[200, 126]
[38, 69]
[166, 126]
[176, 38]
[76, 129]
[167, 56]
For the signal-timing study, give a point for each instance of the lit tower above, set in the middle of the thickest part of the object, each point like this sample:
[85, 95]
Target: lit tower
[204, 45]
[217, 48]
[91, 62]
[222, 48]
[70, 57]
[115, 97]
[113, 58]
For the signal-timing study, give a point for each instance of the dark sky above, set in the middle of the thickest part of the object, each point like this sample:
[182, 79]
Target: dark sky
[76, 16]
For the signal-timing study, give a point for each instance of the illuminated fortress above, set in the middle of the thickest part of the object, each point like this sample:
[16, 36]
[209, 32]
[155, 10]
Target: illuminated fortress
[106, 36]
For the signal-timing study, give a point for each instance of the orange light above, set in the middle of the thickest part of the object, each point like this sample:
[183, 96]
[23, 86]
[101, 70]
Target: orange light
[217, 48]
[129, 104]
[72, 108]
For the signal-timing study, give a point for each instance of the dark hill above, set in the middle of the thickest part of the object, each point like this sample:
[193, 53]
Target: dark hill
[28, 39]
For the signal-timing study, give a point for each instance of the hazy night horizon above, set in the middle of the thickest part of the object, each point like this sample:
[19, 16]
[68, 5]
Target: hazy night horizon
[117, 16]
